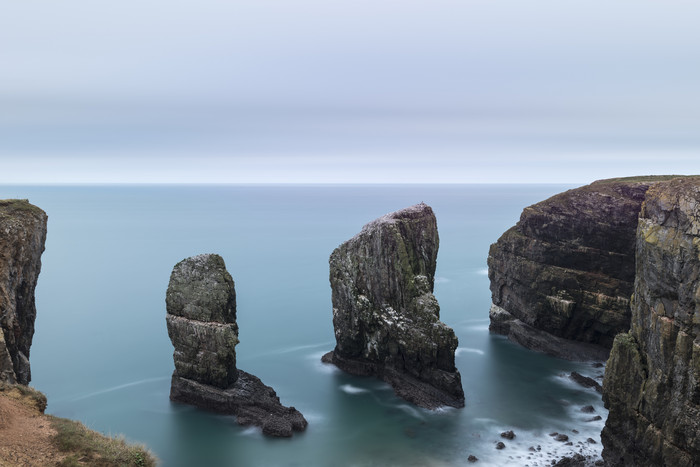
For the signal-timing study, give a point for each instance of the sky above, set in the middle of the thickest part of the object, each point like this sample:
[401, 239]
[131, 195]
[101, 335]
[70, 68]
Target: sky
[353, 91]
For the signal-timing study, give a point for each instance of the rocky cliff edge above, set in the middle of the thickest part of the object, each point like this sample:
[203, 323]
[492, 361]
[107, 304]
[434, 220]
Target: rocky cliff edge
[22, 238]
[562, 277]
[652, 380]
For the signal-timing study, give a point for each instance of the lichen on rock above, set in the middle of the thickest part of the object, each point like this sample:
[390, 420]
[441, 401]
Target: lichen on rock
[652, 379]
[385, 316]
[562, 277]
[22, 238]
[201, 321]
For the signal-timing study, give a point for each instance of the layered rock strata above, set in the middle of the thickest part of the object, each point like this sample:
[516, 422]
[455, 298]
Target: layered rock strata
[201, 320]
[386, 318]
[562, 277]
[652, 380]
[22, 238]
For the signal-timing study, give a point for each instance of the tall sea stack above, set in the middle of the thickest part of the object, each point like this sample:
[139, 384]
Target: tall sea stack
[201, 320]
[562, 277]
[652, 381]
[386, 318]
[22, 237]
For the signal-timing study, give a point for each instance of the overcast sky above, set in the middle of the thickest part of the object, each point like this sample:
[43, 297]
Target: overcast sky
[347, 91]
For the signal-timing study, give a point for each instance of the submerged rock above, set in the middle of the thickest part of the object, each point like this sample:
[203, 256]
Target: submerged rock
[562, 277]
[652, 380]
[585, 381]
[385, 316]
[201, 320]
[22, 238]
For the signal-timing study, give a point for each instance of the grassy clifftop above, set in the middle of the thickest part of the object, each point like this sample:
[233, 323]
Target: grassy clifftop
[28, 437]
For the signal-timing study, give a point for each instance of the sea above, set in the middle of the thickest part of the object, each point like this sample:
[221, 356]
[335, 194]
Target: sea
[102, 356]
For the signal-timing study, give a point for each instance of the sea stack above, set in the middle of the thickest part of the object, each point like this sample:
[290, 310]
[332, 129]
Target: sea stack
[652, 380]
[562, 277]
[201, 320]
[386, 318]
[22, 238]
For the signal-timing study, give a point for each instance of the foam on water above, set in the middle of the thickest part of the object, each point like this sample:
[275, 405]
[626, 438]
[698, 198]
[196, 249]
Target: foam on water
[119, 387]
[350, 389]
[477, 327]
[461, 350]
[251, 431]
[412, 411]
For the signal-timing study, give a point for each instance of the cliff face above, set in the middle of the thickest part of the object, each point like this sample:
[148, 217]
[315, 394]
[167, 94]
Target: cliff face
[385, 315]
[201, 320]
[22, 237]
[561, 278]
[652, 380]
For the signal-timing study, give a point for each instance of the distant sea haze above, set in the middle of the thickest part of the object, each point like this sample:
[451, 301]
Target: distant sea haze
[102, 355]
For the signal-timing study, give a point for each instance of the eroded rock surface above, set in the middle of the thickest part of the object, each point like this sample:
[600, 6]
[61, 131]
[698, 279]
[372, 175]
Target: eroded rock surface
[562, 277]
[201, 320]
[22, 238]
[385, 316]
[652, 380]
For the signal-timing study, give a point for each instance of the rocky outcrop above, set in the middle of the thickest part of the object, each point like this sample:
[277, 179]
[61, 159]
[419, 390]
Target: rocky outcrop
[652, 380]
[562, 277]
[201, 320]
[385, 316]
[22, 237]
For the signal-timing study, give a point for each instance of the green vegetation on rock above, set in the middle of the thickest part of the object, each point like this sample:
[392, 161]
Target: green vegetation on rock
[85, 447]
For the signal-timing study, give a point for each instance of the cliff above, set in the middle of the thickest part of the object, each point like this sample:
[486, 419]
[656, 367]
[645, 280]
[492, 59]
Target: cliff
[22, 237]
[652, 380]
[385, 316]
[201, 321]
[561, 278]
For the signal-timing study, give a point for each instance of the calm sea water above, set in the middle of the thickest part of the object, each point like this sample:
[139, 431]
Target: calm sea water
[102, 355]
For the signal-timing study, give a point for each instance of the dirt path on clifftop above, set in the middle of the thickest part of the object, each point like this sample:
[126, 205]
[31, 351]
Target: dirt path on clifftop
[25, 436]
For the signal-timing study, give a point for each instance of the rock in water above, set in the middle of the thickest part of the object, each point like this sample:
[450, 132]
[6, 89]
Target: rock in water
[652, 380]
[22, 237]
[201, 320]
[561, 278]
[385, 316]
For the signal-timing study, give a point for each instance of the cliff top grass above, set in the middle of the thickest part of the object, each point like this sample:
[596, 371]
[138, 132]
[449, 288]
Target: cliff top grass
[28, 396]
[609, 186]
[86, 447]
[28, 437]
[638, 178]
[20, 205]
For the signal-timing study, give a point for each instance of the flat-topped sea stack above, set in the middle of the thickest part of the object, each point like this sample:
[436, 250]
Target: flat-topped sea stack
[562, 277]
[386, 318]
[201, 320]
[652, 380]
[22, 238]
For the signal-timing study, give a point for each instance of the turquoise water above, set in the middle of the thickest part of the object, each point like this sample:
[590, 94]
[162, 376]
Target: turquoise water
[102, 355]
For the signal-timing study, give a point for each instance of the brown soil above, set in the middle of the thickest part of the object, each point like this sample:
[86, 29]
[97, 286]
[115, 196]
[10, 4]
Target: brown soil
[25, 434]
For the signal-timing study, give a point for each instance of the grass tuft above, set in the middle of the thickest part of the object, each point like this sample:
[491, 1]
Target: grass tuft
[87, 447]
[25, 394]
